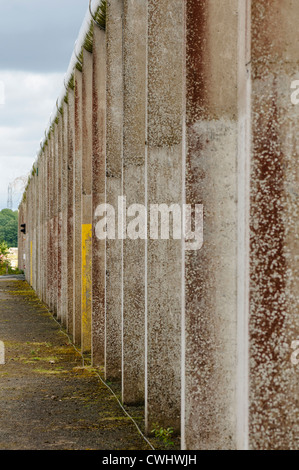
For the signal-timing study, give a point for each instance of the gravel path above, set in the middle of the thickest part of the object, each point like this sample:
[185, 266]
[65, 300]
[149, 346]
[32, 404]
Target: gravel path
[47, 399]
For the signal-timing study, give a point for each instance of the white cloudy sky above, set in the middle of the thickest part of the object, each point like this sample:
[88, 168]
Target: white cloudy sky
[36, 43]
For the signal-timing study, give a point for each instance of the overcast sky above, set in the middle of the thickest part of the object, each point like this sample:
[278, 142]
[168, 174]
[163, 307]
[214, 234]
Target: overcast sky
[36, 43]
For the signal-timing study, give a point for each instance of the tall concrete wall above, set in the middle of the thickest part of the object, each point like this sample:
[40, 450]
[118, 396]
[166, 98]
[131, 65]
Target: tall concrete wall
[114, 162]
[87, 148]
[134, 188]
[180, 102]
[211, 178]
[98, 195]
[165, 153]
[77, 214]
[274, 319]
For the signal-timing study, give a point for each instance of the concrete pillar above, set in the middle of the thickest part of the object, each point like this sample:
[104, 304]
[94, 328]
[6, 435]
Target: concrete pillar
[210, 315]
[164, 186]
[59, 146]
[27, 238]
[41, 245]
[274, 225]
[77, 216]
[64, 216]
[41, 234]
[134, 181]
[114, 150]
[39, 228]
[49, 230]
[50, 265]
[36, 234]
[70, 111]
[45, 223]
[98, 195]
[87, 113]
[36, 229]
[55, 274]
[33, 230]
[243, 247]
[41, 248]
[27, 259]
[54, 221]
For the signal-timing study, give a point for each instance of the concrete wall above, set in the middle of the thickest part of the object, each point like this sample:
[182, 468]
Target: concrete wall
[274, 318]
[114, 148]
[211, 178]
[180, 102]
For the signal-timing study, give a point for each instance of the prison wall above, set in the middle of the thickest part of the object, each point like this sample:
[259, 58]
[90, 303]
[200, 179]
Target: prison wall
[179, 102]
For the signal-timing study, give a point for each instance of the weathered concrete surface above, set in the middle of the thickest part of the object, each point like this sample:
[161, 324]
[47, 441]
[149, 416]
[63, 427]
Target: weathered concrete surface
[64, 217]
[59, 210]
[39, 264]
[98, 195]
[114, 155]
[274, 319]
[77, 212]
[47, 400]
[50, 266]
[55, 219]
[178, 110]
[243, 249]
[44, 183]
[70, 210]
[86, 214]
[134, 157]
[210, 376]
[164, 178]
[59, 149]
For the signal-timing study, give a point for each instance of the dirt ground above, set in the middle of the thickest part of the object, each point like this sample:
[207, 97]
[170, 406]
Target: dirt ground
[47, 399]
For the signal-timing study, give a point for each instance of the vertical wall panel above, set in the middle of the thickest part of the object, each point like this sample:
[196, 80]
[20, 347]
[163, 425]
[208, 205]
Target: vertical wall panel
[210, 356]
[114, 188]
[55, 274]
[59, 131]
[98, 195]
[134, 137]
[77, 216]
[70, 211]
[87, 113]
[164, 175]
[64, 218]
[274, 319]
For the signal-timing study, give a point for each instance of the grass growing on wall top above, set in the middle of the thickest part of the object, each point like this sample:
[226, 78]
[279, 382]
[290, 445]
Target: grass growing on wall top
[101, 14]
[100, 18]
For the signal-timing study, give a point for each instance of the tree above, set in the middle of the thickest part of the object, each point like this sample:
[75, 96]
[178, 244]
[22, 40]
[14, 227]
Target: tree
[4, 263]
[9, 227]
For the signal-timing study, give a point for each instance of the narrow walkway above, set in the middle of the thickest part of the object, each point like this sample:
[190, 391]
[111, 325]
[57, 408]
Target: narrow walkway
[47, 400]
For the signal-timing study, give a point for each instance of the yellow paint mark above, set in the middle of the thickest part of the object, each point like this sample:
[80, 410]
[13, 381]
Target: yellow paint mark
[86, 286]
